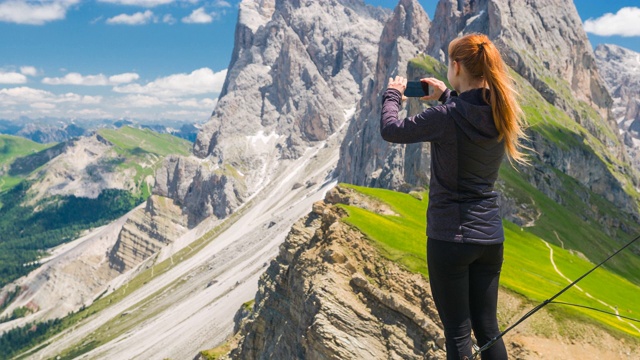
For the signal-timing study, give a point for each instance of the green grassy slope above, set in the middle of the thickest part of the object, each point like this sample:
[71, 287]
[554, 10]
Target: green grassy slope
[143, 151]
[26, 233]
[11, 148]
[528, 269]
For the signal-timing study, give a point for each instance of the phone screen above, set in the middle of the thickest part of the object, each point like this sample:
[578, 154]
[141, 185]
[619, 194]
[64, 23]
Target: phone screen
[416, 89]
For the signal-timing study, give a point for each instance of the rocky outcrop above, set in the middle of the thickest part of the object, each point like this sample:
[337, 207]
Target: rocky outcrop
[82, 167]
[329, 294]
[146, 231]
[366, 159]
[200, 188]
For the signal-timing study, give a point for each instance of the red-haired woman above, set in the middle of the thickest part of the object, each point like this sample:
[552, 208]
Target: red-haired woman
[470, 132]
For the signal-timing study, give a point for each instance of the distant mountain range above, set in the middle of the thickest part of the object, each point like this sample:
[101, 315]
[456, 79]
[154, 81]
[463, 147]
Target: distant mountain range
[47, 131]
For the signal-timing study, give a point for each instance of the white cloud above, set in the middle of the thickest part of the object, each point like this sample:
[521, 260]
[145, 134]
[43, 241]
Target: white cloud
[139, 18]
[12, 78]
[123, 78]
[142, 3]
[42, 105]
[188, 114]
[27, 95]
[198, 103]
[28, 70]
[626, 22]
[169, 19]
[199, 16]
[184, 96]
[91, 80]
[140, 101]
[96, 20]
[34, 12]
[201, 81]
[77, 79]
[221, 3]
[24, 93]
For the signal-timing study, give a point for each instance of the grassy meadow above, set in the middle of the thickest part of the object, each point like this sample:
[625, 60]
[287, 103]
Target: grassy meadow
[11, 148]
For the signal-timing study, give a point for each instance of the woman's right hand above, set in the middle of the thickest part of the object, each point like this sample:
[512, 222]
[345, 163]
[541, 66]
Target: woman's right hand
[399, 83]
[438, 88]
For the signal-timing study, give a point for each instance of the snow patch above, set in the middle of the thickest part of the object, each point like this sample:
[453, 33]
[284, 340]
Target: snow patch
[348, 114]
[261, 137]
[473, 18]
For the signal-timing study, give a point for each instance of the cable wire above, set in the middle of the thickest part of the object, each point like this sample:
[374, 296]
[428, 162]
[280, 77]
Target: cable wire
[544, 303]
[596, 309]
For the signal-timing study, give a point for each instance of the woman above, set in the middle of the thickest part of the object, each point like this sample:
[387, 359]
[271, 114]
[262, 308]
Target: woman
[470, 132]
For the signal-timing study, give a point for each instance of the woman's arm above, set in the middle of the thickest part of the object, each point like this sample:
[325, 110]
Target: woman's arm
[431, 125]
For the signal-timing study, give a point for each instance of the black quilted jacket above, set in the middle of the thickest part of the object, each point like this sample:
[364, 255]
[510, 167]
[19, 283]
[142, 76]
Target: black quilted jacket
[465, 159]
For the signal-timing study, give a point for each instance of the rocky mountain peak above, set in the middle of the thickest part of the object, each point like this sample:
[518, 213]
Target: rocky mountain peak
[620, 69]
[365, 157]
[297, 71]
[539, 39]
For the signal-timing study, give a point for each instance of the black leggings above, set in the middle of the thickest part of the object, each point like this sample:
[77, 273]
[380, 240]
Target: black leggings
[464, 283]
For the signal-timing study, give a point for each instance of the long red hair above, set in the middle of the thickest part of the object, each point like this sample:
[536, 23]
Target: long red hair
[481, 59]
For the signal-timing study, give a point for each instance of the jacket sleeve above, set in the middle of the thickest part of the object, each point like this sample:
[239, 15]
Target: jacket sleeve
[434, 124]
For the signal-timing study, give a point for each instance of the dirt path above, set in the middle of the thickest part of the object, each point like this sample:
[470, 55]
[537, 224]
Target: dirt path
[613, 308]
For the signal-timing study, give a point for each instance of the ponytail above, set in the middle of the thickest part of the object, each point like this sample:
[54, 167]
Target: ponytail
[482, 59]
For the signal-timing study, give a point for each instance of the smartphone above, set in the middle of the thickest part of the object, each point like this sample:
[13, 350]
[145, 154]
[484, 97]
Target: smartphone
[416, 89]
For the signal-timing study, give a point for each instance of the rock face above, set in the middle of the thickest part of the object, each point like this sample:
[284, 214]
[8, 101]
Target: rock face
[620, 69]
[146, 231]
[292, 80]
[366, 159]
[297, 72]
[81, 167]
[329, 294]
[200, 188]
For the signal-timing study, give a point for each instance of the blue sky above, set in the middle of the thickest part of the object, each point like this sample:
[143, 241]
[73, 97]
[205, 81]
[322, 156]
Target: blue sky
[159, 59]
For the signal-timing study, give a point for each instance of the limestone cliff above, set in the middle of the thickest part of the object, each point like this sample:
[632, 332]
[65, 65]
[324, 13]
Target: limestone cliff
[330, 294]
[147, 231]
[365, 158]
[297, 71]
